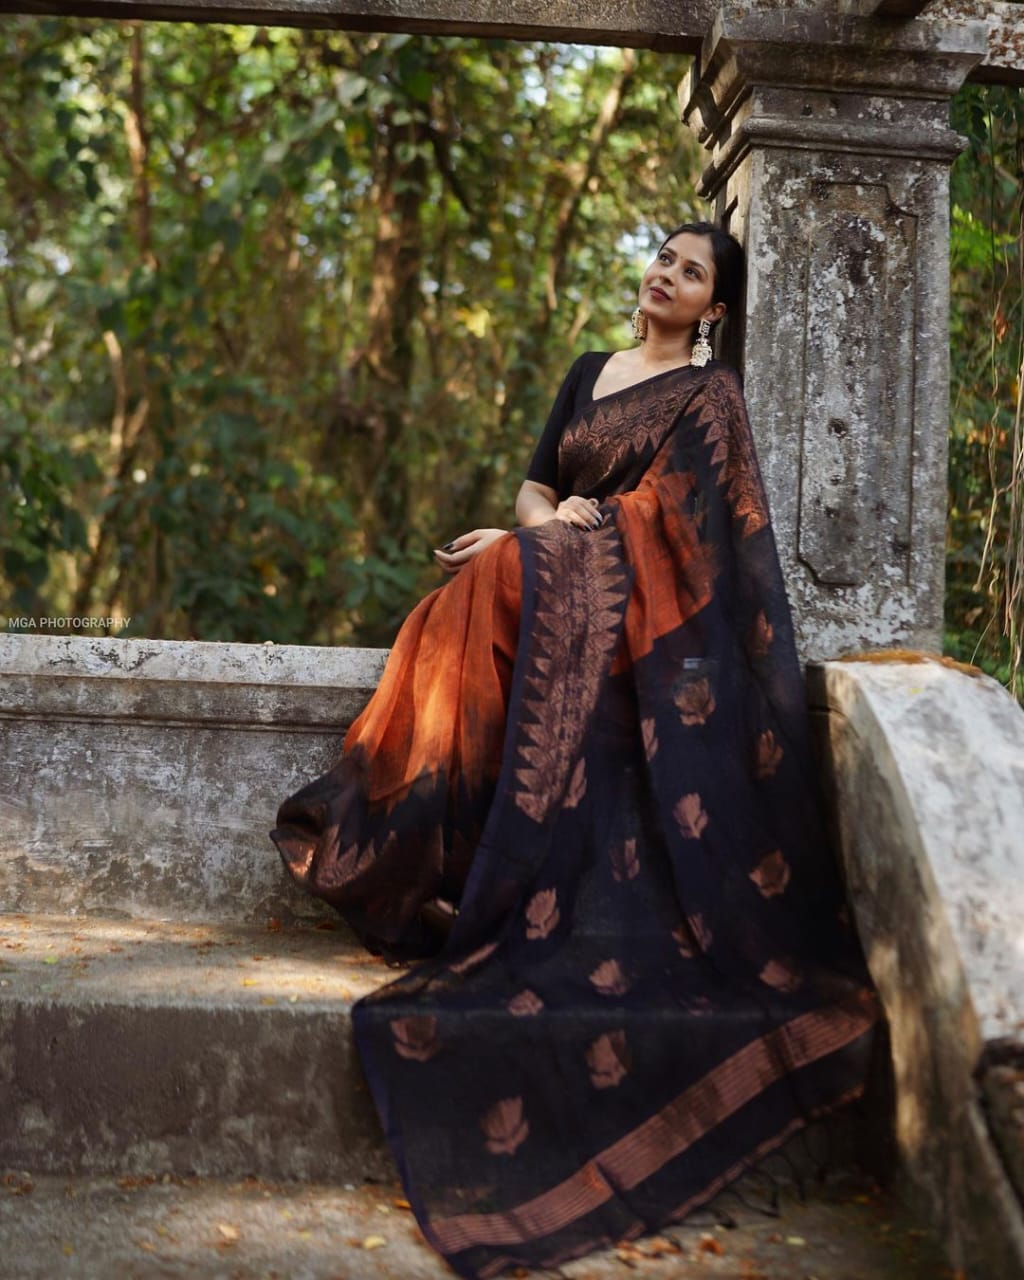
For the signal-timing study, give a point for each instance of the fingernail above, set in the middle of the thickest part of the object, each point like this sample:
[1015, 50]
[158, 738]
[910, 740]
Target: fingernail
[448, 546]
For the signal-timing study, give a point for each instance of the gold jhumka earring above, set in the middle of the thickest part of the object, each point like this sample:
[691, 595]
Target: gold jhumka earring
[639, 322]
[701, 352]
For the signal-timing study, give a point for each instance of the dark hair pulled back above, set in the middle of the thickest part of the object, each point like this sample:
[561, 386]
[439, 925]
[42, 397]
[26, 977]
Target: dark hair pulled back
[729, 259]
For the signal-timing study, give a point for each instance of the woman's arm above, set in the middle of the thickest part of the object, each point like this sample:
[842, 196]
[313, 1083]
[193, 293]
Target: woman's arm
[538, 503]
[535, 504]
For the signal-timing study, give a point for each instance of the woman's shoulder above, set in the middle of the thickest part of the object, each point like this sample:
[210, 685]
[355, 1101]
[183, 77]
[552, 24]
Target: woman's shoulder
[590, 360]
[723, 372]
[723, 378]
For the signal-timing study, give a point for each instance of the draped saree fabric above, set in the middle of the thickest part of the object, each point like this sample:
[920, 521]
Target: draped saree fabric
[596, 744]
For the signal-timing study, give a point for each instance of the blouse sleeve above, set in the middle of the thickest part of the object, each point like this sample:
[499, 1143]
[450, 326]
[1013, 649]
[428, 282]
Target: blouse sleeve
[544, 464]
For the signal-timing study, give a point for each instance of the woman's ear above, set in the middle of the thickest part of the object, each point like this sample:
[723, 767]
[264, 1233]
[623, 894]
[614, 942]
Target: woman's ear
[715, 313]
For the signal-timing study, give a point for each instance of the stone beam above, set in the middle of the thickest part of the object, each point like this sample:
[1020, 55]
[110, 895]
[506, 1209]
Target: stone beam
[899, 8]
[1003, 19]
[662, 25]
[830, 149]
[1004, 61]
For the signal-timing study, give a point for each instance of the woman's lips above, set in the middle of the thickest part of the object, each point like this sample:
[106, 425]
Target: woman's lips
[659, 293]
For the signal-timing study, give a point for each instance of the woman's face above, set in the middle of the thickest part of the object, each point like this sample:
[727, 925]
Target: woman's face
[677, 287]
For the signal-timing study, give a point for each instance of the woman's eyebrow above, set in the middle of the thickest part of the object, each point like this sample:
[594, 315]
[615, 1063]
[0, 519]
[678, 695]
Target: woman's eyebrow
[692, 262]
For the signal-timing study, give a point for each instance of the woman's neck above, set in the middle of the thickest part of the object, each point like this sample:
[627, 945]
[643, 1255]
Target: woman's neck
[665, 349]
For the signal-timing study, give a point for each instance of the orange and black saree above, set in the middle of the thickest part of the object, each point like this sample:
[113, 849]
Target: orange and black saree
[597, 745]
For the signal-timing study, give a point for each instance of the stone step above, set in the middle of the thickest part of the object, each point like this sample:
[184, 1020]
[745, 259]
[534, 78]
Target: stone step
[150, 1047]
[209, 1229]
[161, 1047]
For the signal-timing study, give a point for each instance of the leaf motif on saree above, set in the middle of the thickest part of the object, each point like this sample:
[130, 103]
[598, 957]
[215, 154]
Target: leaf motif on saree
[505, 1127]
[691, 816]
[578, 786]
[624, 860]
[771, 875]
[525, 1004]
[542, 914]
[581, 593]
[609, 980]
[693, 937]
[695, 701]
[648, 727]
[761, 635]
[723, 416]
[767, 756]
[474, 958]
[415, 1037]
[609, 1059]
[782, 975]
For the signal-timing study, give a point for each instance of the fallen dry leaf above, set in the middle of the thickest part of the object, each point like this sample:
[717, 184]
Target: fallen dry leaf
[708, 1244]
[229, 1233]
[374, 1242]
[795, 1240]
[401, 1204]
[659, 1245]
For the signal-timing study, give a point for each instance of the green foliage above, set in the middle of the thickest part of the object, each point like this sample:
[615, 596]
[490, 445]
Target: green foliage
[288, 308]
[985, 534]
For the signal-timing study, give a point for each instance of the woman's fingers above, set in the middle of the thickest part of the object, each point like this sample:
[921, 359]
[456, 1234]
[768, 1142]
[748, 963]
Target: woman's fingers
[581, 512]
[457, 553]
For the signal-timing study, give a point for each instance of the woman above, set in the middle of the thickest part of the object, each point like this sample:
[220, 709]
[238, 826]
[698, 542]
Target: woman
[594, 742]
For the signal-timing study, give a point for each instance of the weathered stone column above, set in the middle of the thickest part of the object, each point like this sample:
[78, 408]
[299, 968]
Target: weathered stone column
[831, 149]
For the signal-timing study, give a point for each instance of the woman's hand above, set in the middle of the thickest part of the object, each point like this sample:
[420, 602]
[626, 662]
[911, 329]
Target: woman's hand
[581, 512]
[456, 554]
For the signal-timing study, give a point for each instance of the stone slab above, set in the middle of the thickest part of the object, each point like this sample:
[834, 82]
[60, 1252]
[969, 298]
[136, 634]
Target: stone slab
[204, 1229]
[927, 780]
[158, 1048]
[142, 777]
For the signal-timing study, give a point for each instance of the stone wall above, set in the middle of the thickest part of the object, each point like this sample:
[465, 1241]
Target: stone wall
[926, 772]
[141, 777]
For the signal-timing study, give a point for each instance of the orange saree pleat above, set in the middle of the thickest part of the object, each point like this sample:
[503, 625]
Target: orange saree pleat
[429, 742]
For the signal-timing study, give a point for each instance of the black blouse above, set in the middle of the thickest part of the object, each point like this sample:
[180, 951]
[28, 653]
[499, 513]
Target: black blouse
[575, 393]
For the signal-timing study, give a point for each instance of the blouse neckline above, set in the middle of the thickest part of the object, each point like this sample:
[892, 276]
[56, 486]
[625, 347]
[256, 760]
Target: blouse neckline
[654, 377]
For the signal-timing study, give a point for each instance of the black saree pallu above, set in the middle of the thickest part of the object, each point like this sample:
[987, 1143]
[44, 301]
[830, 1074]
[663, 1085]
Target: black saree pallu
[598, 745]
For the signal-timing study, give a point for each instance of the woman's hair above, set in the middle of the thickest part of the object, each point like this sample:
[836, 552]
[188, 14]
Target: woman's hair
[729, 260]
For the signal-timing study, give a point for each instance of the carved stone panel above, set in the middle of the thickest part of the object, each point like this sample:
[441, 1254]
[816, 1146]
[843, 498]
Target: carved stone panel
[856, 480]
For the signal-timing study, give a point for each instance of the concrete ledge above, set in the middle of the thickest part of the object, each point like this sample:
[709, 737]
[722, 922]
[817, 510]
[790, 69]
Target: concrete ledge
[150, 1049]
[927, 778]
[141, 777]
[158, 681]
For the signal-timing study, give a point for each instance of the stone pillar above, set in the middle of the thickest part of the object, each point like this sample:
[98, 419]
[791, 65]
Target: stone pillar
[831, 149]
